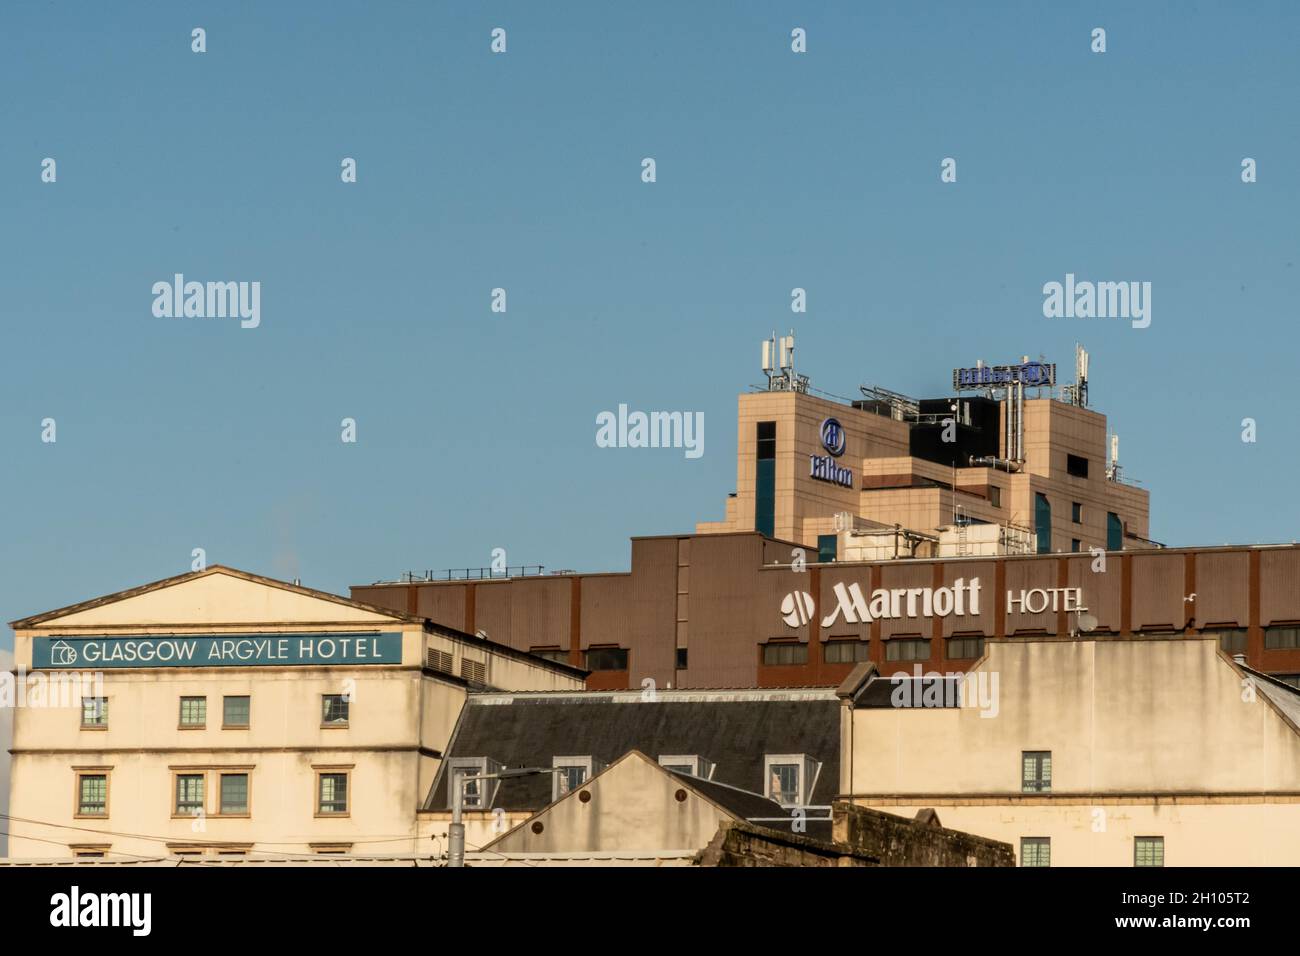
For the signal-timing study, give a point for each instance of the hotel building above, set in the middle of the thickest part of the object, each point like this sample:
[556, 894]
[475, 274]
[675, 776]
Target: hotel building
[1005, 488]
[240, 715]
[1145, 752]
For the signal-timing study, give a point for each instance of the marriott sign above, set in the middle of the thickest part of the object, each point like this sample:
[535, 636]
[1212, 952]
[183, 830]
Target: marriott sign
[855, 606]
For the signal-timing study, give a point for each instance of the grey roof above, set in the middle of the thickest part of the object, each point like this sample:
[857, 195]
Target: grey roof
[1285, 697]
[902, 690]
[758, 808]
[530, 730]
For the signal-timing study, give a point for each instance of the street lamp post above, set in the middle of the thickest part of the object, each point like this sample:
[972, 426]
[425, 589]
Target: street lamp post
[456, 832]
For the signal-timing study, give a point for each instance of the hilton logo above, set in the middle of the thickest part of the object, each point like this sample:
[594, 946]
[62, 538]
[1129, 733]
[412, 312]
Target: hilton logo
[824, 468]
[833, 437]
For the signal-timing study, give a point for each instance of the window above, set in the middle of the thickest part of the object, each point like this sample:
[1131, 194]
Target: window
[90, 850]
[1042, 523]
[691, 764]
[234, 794]
[790, 778]
[1278, 638]
[907, 649]
[1074, 545]
[576, 771]
[827, 547]
[1233, 640]
[189, 794]
[607, 659]
[1149, 851]
[995, 496]
[194, 713]
[1114, 532]
[94, 713]
[551, 654]
[1035, 851]
[234, 712]
[331, 793]
[785, 652]
[681, 658]
[474, 794]
[92, 794]
[335, 710]
[847, 652]
[1036, 771]
[1076, 512]
[965, 648]
[765, 479]
[1076, 466]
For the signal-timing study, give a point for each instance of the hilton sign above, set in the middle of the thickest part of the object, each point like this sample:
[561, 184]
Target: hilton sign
[824, 467]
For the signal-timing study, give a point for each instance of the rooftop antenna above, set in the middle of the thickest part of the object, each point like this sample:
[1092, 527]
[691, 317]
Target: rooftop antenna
[1112, 469]
[778, 365]
[1079, 390]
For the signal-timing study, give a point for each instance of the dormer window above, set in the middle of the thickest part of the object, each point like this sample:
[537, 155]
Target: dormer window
[692, 764]
[790, 778]
[475, 794]
[576, 772]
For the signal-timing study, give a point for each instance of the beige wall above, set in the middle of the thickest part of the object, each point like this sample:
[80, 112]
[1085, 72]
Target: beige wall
[878, 446]
[1163, 731]
[400, 720]
[633, 806]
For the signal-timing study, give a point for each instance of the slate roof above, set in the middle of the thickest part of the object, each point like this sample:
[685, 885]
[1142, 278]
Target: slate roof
[530, 730]
[919, 692]
[756, 807]
[1284, 697]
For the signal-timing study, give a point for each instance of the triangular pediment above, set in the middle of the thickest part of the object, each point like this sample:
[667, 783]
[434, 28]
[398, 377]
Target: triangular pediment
[215, 596]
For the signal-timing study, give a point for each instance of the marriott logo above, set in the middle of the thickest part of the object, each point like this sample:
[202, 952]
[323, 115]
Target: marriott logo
[857, 608]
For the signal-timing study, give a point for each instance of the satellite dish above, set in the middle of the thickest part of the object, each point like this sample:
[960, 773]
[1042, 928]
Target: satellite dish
[1087, 622]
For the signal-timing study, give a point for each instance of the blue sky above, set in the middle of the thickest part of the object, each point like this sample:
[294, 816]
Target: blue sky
[522, 170]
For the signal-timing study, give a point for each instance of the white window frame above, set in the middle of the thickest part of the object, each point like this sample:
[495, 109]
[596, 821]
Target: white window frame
[809, 771]
[487, 788]
[585, 762]
[699, 766]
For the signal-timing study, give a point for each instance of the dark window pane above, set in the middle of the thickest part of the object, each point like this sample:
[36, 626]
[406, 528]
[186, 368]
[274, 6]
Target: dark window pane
[333, 793]
[1278, 638]
[234, 793]
[1233, 640]
[907, 649]
[785, 653]
[189, 793]
[845, 652]
[1035, 851]
[1036, 771]
[235, 711]
[1149, 851]
[334, 709]
[607, 659]
[965, 648]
